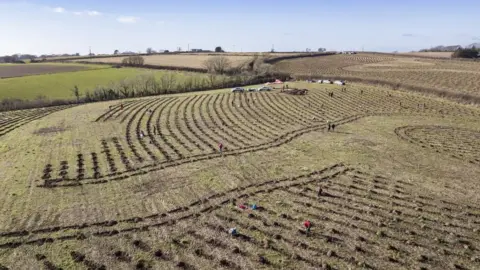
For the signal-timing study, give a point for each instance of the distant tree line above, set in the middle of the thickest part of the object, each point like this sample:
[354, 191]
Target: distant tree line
[457, 51]
[12, 59]
[467, 53]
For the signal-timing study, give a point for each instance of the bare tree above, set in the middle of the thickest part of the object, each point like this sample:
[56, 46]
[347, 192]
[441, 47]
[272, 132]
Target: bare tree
[149, 50]
[124, 88]
[217, 64]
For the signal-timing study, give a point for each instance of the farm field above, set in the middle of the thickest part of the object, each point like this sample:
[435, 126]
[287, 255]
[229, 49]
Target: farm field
[142, 185]
[248, 54]
[190, 60]
[59, 85]
[176, 60]
[457, 79]
[428, 54]
[20, 70]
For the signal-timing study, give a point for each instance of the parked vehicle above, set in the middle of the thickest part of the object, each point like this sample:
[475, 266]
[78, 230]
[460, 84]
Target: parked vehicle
[264, 88]
[252, 89]
[339, 82]
[238, 89]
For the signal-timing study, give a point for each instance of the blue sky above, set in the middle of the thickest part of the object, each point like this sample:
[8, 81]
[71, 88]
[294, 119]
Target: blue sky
[54, 26]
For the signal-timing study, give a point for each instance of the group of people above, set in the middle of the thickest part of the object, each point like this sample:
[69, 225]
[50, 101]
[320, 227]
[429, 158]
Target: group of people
[330, 125]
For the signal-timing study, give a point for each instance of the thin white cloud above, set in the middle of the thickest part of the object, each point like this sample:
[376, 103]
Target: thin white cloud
[160, 22]
[93, 13]
[127, 19]
[88, 12]
[59, 10]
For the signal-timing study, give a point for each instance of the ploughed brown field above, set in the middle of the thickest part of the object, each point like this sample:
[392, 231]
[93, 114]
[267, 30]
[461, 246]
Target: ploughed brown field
[188, 60]
[452, 78]
[14, 70]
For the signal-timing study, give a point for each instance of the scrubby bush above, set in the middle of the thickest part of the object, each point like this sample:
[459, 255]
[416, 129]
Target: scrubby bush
[136, 60]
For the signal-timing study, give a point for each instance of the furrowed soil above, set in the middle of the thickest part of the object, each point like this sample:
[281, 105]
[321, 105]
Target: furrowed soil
[459, 80]
[143, 185]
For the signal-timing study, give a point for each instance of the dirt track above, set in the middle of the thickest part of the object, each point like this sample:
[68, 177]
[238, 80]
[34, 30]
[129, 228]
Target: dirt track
[8, 71]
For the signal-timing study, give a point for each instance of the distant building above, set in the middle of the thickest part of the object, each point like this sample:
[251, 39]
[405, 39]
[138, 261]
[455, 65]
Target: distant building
[200, 50]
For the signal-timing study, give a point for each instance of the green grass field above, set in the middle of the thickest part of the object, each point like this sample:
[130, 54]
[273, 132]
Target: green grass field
[59, 85]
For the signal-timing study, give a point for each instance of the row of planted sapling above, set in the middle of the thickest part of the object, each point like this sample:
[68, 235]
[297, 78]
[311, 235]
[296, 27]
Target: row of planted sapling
[196, 126]
[96, 169]
[109, 156]
[234, 121]
[229, 140]
[126, 162]
[170, 130]
[180, 129]
[152, 134]
[80, 167]
[221, 123]
[158, 129]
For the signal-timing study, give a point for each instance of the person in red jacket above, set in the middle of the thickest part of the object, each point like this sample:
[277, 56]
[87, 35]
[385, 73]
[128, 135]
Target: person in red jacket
[220, 147]
[307, 225]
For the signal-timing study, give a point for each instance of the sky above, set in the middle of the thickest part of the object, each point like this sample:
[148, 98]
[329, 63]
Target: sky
[60, 26]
